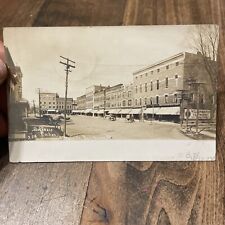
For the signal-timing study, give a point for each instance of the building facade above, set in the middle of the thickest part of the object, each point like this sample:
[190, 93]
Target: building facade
[114, 96]
[52, 101]
[81, 102]
[164, 89]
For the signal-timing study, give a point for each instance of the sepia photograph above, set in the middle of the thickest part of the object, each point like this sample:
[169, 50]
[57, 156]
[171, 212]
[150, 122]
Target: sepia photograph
[128, 83]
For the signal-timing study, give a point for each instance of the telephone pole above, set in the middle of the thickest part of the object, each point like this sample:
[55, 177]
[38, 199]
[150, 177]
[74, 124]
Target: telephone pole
[34, 108]
[68, 64]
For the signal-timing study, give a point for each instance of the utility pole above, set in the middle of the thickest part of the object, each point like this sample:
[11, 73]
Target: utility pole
[68, 64]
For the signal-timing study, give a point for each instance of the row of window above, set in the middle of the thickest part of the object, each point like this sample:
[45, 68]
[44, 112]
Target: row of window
[59, 107]
[157, 85]
[152, 72]
[155, 101]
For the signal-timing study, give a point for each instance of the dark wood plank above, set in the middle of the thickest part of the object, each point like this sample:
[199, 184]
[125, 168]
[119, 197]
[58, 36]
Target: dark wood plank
[43, 193]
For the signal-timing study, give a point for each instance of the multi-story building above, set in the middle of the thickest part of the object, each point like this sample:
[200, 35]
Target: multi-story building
[48, 101]
[81, 102]
[52, 101]
[114, 96]
[90, 95]
[61, 104]
[127, 96]
[163, 83]
[18, 107]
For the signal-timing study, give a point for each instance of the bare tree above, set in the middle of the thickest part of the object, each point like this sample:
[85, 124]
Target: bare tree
[205, 40]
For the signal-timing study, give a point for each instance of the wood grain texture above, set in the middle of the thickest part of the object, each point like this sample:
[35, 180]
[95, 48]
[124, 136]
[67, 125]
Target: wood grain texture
[43, 193]
[137, 193]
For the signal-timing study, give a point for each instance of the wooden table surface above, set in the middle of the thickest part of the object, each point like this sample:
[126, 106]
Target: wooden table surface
[144, 193]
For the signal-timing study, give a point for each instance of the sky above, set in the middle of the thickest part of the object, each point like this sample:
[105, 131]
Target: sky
[103, 55]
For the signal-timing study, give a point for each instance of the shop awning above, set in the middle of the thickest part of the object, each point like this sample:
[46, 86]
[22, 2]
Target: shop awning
[94, 111]
[101, 111]
[87, 111]
[175, 110]
[114, 111]
[135, 111]
[125, 111]
[154, 110]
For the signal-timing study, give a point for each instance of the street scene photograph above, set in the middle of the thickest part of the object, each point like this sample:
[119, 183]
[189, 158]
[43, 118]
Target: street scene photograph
[112, 83]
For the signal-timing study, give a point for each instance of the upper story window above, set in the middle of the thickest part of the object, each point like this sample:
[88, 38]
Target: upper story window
[177, 63]
[146, 87]
[136, 88]
[157, 84]
[166, 98]
[140, 101]
[152, 72]
[136, 101]
[140, 88]
[175, 98]
[167, 82]
[145, 101]
[158, 70]
[176, 79]
[167, 67]
[141, 75]
[146, 74]
[151, 85]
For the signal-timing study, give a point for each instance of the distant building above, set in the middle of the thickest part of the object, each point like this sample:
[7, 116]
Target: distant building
[81, 102]
[90, 94]
[52, 101]
[114, 96]
[48, 101]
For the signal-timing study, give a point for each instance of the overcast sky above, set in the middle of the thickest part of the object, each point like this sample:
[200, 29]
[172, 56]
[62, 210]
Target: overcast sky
[103, 55]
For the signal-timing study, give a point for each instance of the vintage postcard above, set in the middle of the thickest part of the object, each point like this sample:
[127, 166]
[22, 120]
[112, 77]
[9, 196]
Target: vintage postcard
[122, 93]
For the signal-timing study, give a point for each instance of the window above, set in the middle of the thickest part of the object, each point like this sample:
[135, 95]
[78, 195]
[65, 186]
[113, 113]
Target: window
[175, 98]
[141, 75]
[176, 80]
[136, 77]
[140, 88]
[146, 74]
[49, 103]
[151, 85]
[129, 93]
[167, 67]
[157, 84]
[158, 70]
[167, 82]
[124, 103]
[177, 63]
[146, 87]
[129, 102]
[136, 89]
[166, 98]
[140, 101]
[157, 100]
[151, 101]
[136, 102]
[152, 72]
[145, 101]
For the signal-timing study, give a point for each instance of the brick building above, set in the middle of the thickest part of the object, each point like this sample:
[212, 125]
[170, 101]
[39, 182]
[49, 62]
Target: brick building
[114, 96]
[81, 102]
[52, 101]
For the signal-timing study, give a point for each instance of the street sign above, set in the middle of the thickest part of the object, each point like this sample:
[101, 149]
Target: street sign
[192, 114]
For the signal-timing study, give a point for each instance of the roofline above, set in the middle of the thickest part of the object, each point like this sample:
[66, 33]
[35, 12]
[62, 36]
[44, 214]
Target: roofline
[159, 62]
